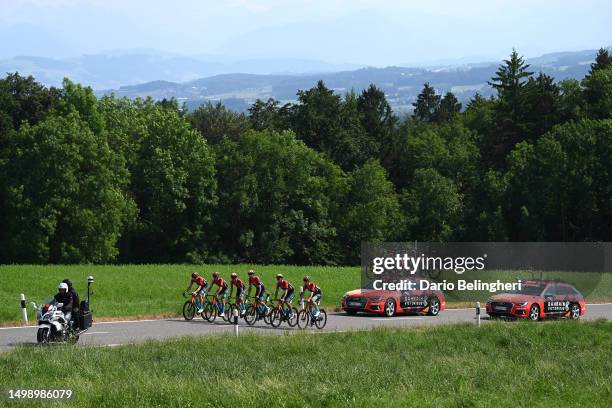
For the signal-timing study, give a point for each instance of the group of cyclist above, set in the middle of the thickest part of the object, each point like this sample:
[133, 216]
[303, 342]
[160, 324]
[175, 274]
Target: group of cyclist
[254, 282]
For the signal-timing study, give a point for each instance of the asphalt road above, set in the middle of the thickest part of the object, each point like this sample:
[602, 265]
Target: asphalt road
[123, 332]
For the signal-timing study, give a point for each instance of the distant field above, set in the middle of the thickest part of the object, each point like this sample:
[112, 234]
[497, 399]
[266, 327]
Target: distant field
[520, 364]
[155, 290]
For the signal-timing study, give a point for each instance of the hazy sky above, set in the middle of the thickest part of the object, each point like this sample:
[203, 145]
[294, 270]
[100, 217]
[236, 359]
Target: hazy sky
[373, 32]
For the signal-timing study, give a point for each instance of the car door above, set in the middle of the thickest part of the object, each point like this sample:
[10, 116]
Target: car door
[554, 302]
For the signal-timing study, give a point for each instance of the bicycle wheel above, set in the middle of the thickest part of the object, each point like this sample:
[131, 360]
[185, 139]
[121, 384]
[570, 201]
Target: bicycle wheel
[210, 312]
[303, 319]
[268, 317]
[292, 320]
[321, 319]
[251, 315]
[188, 310]
[228, 315]
[276, 318]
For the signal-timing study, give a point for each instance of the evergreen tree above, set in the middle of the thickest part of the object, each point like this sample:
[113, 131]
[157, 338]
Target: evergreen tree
[510, 81]
[427, 104]
[449, 108]
[603, 60]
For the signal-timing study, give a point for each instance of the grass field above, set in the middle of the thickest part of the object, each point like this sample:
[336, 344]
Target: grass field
[148, 290]
[155, 290]
[520, 364]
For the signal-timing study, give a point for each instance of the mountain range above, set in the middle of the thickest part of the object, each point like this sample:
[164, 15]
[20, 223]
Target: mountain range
[194, 80]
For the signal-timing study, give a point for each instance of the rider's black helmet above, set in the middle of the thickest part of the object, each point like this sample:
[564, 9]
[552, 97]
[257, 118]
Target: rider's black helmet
[68, 282]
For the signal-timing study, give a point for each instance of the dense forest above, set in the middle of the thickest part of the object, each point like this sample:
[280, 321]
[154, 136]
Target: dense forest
[88, 180]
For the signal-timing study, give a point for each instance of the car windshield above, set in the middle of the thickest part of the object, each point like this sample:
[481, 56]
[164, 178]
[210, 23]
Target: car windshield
[532, 290]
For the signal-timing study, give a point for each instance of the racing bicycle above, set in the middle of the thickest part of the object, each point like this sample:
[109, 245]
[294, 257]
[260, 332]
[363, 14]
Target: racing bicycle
[191, 306]
[258, 310]
[306, 316]
[214, 308]
[281, 313]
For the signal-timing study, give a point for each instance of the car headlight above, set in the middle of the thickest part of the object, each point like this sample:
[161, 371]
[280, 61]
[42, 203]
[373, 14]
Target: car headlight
[375, 299]
[521, 303]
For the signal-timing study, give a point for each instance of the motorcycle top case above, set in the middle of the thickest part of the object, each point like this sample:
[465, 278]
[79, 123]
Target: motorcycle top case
[86, 320]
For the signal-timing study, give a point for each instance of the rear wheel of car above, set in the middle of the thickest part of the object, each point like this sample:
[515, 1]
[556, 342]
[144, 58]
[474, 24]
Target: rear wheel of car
[390, 308]
[575, 311]
[534, 312]
[434, 306]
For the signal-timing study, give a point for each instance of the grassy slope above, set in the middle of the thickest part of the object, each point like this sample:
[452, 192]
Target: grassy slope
[562, 363]
[146, 290]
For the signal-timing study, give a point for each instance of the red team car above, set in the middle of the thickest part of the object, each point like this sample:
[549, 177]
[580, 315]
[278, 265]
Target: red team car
[538, 299]
[390, 302]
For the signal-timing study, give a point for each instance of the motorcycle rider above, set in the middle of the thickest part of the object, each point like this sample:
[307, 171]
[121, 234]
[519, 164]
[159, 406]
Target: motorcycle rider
[65, 298]
[76, 301]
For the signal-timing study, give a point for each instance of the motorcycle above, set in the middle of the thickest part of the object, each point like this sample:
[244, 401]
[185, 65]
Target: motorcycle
[53, 327]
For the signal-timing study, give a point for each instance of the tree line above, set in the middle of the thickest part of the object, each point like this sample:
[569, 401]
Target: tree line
[96, 180]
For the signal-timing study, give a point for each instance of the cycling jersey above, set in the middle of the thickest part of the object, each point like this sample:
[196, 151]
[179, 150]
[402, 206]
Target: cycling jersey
[239, 287]
[255, 281]
[284, 285]
[200, 281]
[220, 282]
[287, 288]
[237, 283]
[311, 287]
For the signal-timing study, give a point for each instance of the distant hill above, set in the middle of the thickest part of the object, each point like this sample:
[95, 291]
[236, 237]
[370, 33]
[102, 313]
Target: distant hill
[197, 79]
[115, 69]
[400, 84]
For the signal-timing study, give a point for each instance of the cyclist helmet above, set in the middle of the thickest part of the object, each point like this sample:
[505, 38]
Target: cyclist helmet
[279, 276]
[194, 275]
[62, 286]
[234, 275]
[68, 282]
[251, 272]
[215, 275]
[306, 278]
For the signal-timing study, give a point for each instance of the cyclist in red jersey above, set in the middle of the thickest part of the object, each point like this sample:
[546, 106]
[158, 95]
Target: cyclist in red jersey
[237, 282]
[260, 291]
[315, 296]
[201, 286]
[287, 288]
[221, 290]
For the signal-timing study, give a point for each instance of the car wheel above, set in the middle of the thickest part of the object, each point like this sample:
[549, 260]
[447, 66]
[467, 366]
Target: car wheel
[351, 312]
[390, 307]
[534, 312]
[575, 311]
[434, 306]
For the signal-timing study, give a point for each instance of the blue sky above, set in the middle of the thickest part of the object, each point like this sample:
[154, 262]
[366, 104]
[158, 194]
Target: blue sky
[371, 32]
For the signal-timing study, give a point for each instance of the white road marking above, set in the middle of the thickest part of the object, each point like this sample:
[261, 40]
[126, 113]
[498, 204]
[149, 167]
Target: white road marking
[85, 334]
